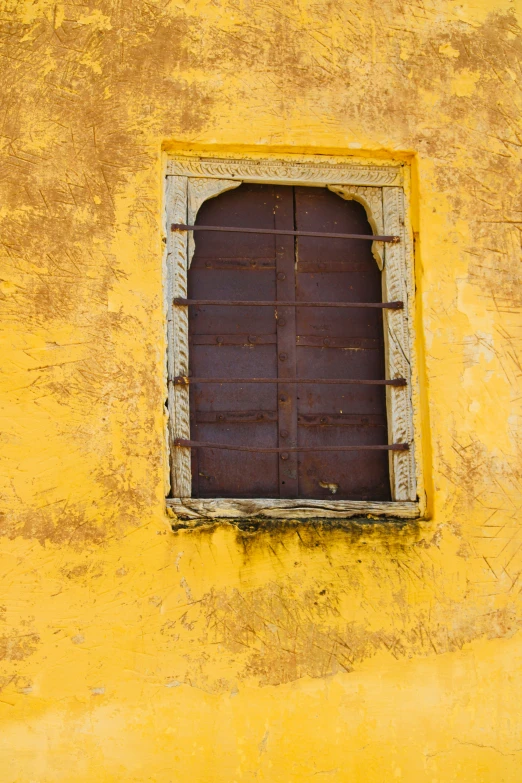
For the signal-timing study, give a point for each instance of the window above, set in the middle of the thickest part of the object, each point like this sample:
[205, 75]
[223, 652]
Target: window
[286, 399]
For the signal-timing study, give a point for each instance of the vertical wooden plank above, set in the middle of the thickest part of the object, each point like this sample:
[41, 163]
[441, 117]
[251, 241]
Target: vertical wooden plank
[177, 324]
[339, 344]
[286, 342]
[396, 286]
[228, 341]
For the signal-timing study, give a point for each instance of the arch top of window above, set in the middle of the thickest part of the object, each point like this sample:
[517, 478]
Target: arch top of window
[201, 189]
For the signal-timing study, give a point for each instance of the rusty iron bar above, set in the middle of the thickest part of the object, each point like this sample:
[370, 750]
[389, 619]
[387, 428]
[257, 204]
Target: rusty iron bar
[184, 380]
[238, 230]
[245, 303]
[197, 444]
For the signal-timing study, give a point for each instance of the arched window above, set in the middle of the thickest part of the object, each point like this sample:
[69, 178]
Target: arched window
[286, 342]
[290, 294]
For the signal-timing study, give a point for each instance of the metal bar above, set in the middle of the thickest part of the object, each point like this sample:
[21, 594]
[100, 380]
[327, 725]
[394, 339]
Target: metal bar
[237, 230]
[183, 380]
[197, 444]
[246, 303]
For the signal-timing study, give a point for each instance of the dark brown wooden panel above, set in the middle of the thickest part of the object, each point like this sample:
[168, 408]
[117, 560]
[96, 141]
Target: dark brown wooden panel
[244, 397]
[345, 476]
[305, 342]
[236, 474]
[236, 342]
[250, 206]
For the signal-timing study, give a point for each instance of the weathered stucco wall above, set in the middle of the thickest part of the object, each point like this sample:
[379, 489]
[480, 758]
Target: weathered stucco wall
[132, 653]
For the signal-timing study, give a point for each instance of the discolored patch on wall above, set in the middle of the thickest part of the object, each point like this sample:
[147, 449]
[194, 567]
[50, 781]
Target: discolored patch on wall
[72, 529]
[16, 647]
[283, 632]
[326, 605]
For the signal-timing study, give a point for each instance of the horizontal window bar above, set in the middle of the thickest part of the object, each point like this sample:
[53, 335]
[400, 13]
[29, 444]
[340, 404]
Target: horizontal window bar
[268, 303]
[198, 444]
[284, 232]
[184, 380]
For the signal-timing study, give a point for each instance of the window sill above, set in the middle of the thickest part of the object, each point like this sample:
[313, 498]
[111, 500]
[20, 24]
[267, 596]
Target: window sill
[193, 509]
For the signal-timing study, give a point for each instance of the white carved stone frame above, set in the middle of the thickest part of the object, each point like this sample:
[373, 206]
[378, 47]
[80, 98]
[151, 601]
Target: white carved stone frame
[379, 188]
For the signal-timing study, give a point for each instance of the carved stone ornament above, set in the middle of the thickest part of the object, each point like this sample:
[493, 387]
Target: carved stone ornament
[190, 182]
[284, 172]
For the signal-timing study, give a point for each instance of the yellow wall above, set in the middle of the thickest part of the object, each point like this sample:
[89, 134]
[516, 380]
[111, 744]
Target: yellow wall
[132, 653]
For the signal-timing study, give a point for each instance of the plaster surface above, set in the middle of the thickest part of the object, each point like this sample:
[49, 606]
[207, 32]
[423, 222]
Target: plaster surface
[129, 652]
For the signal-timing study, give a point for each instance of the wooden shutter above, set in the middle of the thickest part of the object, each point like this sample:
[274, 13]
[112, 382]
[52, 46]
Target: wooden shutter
[286, 342]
